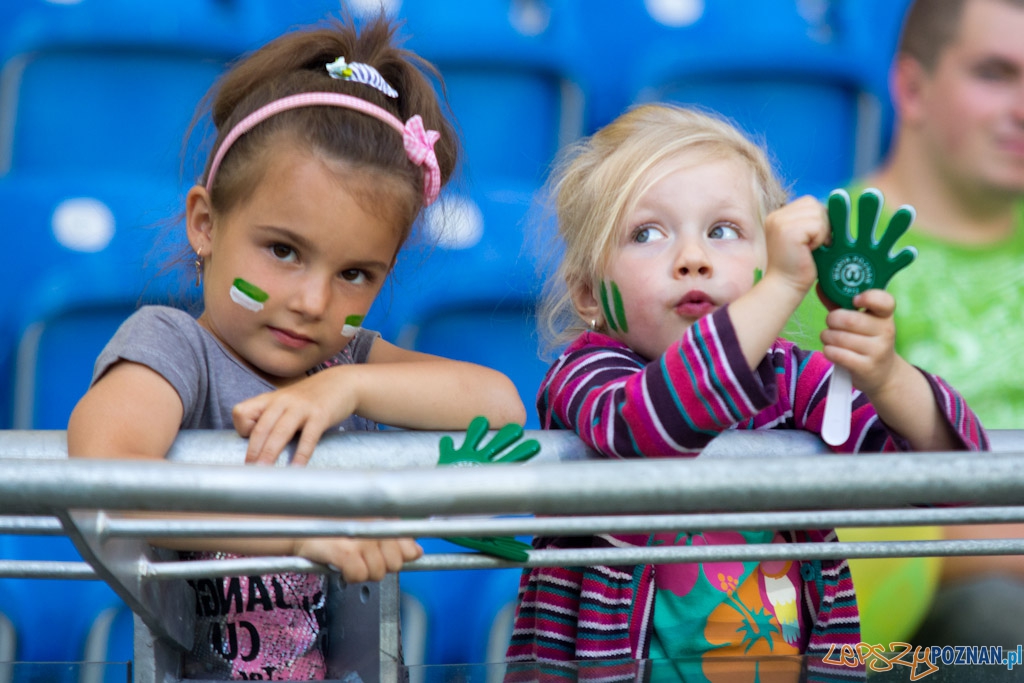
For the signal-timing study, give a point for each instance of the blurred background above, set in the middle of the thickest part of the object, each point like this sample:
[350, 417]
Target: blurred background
[96, 97]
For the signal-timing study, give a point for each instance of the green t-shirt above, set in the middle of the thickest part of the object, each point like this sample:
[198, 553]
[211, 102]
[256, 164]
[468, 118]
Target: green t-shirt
[958, 315]
[716, 620]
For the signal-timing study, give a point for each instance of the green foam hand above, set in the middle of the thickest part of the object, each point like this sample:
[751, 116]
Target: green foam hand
[845, 269]
[471, 454]
[848, 267]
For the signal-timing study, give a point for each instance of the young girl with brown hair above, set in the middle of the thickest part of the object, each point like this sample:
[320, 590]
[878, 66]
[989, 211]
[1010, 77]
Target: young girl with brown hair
[330, 143]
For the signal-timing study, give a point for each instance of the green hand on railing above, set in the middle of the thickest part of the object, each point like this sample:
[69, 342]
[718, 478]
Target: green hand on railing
[471, 454]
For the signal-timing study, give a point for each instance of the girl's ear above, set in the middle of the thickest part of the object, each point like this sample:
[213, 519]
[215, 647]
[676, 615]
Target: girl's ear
[586, 303]
[199, 220]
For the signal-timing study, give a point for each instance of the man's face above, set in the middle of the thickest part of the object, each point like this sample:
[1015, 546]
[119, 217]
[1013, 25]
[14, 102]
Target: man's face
[970, 108]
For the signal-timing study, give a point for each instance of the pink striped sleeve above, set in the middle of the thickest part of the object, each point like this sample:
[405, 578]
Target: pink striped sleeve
[868, 433]
[624, 406]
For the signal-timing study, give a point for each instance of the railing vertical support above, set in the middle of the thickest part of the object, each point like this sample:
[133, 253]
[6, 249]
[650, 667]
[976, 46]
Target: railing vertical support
[356, 645]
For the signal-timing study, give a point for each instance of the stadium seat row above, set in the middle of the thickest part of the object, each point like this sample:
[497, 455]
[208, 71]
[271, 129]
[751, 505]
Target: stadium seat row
[97, 95]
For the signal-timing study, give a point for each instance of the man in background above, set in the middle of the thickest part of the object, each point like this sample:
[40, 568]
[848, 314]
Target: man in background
[957, 156]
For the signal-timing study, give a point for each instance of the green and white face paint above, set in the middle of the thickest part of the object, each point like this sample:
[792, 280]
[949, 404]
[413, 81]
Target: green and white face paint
[614, 312]
[352, 325]
[248, 295]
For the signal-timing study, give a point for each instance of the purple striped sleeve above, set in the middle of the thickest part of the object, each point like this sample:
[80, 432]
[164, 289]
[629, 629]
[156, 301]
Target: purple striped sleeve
[624, 406]
[867, 431]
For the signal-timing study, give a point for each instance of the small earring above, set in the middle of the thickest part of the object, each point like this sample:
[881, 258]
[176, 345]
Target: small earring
[593, 324]
[199, 268]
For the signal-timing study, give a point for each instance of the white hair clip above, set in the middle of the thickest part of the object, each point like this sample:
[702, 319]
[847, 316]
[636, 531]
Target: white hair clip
[360, 73]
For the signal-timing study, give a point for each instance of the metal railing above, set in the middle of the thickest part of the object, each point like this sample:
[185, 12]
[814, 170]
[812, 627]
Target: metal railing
[391, 475]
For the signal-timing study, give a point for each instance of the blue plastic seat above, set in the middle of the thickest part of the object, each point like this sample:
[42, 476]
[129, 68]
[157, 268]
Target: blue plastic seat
[130, 111]
[113, 84]
[98, 248]
[468, 289]
[457, 616]
[51, 617]
[512, 78]
[111, 638]
[93, 261]
[802, 76]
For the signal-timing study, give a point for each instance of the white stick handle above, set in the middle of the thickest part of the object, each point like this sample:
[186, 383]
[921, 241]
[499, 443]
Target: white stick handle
[835, 428]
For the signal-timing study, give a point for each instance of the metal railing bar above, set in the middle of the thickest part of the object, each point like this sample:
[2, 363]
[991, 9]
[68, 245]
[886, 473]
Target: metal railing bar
[34, 525]
[540, 558]
[669, 485]
[560, 526]
[46, 569]
[608, 556]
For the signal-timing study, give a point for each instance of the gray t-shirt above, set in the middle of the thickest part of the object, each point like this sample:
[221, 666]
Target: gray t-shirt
[248, 627]
[209, 379]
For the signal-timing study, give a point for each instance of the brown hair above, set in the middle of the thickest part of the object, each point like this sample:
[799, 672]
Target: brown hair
[296, 63]
[931, 25]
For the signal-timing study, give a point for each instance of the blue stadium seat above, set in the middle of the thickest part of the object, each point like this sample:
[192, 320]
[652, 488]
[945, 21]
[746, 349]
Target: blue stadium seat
[187, 25]
[51, 617]
[458, 616]
[111, 638]
[467, 289]
[801, 75]
[90, 259]
[110, 85]
[121, 112]
[512, 80]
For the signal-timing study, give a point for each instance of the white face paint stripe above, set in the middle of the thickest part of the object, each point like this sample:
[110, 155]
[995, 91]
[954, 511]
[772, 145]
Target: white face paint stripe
[247, 295]
[352, 325]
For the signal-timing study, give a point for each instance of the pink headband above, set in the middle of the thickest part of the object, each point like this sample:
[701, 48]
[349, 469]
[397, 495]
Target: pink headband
[419, 143]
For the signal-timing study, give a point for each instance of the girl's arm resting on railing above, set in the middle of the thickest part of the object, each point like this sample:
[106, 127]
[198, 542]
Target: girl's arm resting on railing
[395, 387]
[624, 406]
[132, 412]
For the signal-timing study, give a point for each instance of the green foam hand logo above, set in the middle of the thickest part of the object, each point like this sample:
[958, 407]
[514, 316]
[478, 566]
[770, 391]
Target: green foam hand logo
[850, 266]
[498, 450]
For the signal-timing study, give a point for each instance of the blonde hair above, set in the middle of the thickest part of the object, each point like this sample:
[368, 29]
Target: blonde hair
[597, 181]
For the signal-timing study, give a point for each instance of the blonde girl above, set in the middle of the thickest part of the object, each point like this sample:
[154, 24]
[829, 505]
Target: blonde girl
[682, 262]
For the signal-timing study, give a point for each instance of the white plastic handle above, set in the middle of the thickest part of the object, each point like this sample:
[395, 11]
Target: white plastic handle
[835, 428]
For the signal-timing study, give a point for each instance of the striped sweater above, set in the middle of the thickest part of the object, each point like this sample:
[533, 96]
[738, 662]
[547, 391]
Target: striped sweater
[623, 406]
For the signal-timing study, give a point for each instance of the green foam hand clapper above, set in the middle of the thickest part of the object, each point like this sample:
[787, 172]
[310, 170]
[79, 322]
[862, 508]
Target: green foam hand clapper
[850, 266]
[470, 454]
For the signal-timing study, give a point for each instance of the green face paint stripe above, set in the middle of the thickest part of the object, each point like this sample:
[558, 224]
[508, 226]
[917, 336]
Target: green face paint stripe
[352, 325]
[757, 275]
[620, 310]
[250, 290]
[607, 310]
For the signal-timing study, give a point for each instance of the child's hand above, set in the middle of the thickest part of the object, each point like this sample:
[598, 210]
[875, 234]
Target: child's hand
[863, 341]
[791, 234]
[359, 559]
[308, 408]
